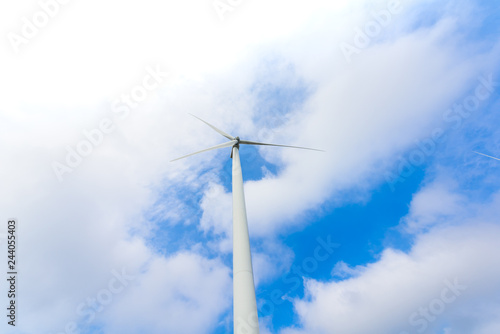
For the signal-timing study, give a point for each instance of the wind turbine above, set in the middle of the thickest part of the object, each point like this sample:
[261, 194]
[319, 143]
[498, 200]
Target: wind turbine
[489, 156]
[245, 318]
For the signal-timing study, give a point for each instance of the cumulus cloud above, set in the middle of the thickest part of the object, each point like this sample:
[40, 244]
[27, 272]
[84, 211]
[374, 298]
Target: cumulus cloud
[402, 102]
[442, 280]
[65, 81]
[436, 204]
[343, 270]
[184, 293]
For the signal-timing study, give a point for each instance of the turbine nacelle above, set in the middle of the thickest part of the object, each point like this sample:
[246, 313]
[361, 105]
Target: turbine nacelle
[237, 141]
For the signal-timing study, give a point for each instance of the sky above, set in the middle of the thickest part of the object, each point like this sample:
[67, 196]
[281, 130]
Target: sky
[393, 229]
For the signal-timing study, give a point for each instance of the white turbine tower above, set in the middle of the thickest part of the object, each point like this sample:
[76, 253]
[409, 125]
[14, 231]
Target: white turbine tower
[244, 302]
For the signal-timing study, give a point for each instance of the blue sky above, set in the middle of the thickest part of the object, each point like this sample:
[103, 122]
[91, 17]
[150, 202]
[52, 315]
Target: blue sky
[393, 229]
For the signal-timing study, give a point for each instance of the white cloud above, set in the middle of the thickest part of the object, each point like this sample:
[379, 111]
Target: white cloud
[363, 114]
[270, 260]
[391, 295]
[73, 234]
[343, 270]
[185, 293]
[435, 204]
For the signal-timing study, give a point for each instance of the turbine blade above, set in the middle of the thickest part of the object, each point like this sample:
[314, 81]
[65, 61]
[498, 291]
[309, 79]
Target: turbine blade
[257, 143]
[228, 136]
[228, 144]
[489, 156]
